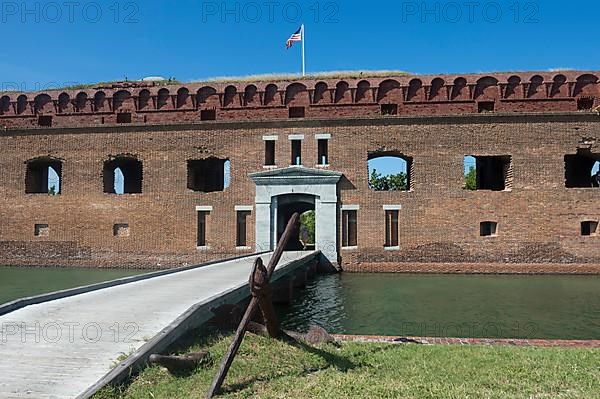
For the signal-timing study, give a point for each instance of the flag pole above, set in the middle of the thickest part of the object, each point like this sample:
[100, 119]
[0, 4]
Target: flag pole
[303, 58]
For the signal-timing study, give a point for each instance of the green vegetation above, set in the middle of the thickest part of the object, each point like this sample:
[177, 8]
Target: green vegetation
[394, 182]
[52, 190]
[307, 219]
[266, 368]
[471, 179]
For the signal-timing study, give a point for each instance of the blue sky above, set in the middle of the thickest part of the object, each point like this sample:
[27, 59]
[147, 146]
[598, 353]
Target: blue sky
[53, 43]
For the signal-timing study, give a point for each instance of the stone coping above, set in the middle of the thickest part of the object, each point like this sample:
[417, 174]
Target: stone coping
[546, 343]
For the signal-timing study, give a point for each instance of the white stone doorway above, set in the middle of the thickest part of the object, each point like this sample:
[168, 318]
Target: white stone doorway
[297, 188]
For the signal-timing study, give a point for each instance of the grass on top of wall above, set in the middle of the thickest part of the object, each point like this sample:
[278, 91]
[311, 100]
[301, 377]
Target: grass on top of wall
[267, 368]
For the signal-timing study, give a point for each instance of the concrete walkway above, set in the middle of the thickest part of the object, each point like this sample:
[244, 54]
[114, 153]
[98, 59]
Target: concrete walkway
[59, 349]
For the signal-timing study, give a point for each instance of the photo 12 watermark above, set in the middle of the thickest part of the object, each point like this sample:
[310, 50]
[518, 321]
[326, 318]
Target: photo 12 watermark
[64, 331]
[270, 11]
[53, 12]
[470, 12]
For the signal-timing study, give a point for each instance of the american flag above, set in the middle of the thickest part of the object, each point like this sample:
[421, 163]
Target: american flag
[296, 37]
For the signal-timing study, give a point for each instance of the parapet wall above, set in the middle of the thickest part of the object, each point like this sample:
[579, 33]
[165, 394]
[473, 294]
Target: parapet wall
[145, 103]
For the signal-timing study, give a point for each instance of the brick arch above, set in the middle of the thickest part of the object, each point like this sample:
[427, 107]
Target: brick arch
[5, 105]
[460, 91]
[122, 101]
[559, 88]
[512, 87]
[486, 88]
[363, 92]
[229, 98]
[99, 100]
[144, 99]
[64, 102]
[271, 94]
[296, 94]
[81, 100]
[251, 97]
[42, 103]
[389, 92]
[163, 99]
[586, 86]
[207, 97]
[436, 92]
[536, 87]
[416, 91]
[184, 100]
[343, 95]
[321, 93]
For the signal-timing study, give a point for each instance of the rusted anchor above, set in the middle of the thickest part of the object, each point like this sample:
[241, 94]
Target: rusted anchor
[258, 280]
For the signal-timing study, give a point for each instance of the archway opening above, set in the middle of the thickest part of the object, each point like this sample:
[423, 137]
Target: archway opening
[304, 237]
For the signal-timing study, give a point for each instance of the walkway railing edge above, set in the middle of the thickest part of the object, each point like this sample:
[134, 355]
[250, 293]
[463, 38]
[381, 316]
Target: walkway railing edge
[190, 319]
[51, 296]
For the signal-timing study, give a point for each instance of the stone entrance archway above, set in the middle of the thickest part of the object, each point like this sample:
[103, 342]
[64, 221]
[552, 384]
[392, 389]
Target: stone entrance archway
[294, 185]
[287, 205]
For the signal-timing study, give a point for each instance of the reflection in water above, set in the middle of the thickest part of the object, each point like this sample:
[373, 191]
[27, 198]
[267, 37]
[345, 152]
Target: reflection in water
[553, 307]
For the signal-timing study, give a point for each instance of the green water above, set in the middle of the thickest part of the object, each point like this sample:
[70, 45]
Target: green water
[20, 282]
[550, 307]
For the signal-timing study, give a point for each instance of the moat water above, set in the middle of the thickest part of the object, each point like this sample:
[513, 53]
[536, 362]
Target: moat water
[20, 282]
[481, 306]
[485, 306]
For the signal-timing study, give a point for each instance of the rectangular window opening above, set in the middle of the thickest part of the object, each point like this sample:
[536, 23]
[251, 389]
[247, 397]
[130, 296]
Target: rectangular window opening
[389, 109]
[124, 117]
[493, 173]
[201, 235]
[391, 228]
[349, 228]
[208, 115]
[589, 228]
[269, 152]
[45, 120]
[581, 169]
[41, 230]
[585, 103]
[121, 230]
[242, 227]
[296, 112]
[488, 229]
[208, 175]
[485, 106]
[296, 152]
[323, 151]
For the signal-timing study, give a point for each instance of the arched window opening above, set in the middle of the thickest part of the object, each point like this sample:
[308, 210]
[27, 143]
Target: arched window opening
[488, 172]
[4, 105]
[163, 98]
[389, 171]
[21, 104]
[183, 97]
[582, 169]
[229, 98]
[64, 102]
[123, 175]
[81, 101]
[209, 175]
[43, 176]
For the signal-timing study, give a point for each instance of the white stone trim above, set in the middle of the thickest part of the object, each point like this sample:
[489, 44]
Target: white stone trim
[392, 207]
[296, 137]
[269, 166]
[323, 136]
[396, 248]
[350, 207]
[204, 248]
[355, 247]
[204, 208]
[243, 208]
[243, 248]
[326, 165]
[270, 138]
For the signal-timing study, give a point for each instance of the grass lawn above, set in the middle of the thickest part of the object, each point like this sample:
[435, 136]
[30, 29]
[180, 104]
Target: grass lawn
[271, 369]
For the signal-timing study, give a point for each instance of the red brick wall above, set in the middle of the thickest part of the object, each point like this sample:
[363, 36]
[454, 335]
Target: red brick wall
[538, 221]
